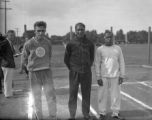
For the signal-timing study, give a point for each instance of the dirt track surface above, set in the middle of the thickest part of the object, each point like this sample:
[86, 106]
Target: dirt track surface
[17, 106]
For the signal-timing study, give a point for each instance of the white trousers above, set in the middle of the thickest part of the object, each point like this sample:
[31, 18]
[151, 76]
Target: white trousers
[39, 79]
[8, 77]
[112, 84]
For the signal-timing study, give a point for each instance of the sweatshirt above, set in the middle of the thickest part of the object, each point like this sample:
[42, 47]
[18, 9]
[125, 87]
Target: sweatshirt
[109, 62]
[37, 54]
[79, 55]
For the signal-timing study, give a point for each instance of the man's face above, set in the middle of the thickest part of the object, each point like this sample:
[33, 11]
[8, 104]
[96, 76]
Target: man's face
[108, 39]
[40, 31]
[80, 31]
[11, 36]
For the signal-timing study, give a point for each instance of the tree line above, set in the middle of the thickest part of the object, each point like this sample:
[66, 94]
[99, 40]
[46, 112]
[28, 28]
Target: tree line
[132, 37]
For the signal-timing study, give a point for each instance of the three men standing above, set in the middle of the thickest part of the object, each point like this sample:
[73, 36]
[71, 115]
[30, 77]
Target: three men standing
[79, 57]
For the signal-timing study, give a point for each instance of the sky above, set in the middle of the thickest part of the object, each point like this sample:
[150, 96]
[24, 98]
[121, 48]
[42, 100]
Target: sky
[97, 15]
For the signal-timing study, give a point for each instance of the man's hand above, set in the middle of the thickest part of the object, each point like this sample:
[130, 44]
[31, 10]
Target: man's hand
[121, 80]
[100, 82]
[18, 54]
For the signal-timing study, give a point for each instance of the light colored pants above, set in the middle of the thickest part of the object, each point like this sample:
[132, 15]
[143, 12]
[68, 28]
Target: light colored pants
[8, 77]
[111, 83]
[39, 79]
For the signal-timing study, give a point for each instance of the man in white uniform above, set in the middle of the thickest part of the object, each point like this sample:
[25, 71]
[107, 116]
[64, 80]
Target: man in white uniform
[110, 72]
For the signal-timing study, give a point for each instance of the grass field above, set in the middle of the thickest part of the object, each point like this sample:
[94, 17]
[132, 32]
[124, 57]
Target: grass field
[136, 91]
[136, 54]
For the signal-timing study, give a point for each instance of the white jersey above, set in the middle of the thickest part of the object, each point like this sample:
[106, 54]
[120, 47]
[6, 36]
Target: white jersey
[109, 62]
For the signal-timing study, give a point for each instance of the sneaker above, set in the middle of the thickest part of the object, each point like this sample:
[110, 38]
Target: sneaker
[71, 119]
[51, 118]
[102, 117]
[1, 91]
[9, 97]
[117, 118]
[87, 118]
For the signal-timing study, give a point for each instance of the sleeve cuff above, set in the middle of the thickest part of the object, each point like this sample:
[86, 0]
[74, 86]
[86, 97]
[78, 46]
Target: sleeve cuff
[123, 76]
[98, 77]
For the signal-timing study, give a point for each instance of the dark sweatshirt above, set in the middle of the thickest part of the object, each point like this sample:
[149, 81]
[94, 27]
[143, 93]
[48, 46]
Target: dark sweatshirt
[79, 55]
[6, 54]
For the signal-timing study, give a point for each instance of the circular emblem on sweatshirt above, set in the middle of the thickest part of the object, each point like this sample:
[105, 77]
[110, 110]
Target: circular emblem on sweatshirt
[40, 51]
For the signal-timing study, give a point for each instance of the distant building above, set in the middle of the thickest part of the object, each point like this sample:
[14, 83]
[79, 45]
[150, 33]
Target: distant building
[120, 41]
[28, 33]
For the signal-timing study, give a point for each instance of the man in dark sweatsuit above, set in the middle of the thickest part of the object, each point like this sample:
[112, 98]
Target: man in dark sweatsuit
[79, 57]
[3, 41]
[7, 53]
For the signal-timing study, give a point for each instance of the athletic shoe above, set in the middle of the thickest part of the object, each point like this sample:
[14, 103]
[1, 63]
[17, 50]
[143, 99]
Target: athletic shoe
[117, 118]
[102, 117]
[1, 91]
[87, 118]
[71, 119]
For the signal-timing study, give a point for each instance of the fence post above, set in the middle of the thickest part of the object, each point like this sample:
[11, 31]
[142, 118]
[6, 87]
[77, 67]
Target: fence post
[149, 44]
[70, 33]
[111, 28]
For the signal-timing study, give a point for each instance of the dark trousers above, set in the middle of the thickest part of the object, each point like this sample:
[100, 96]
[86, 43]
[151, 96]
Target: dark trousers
[23, 68]
[1, 79]
[85, 80]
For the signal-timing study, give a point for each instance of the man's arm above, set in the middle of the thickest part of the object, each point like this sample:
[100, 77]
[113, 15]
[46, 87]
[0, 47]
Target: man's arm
[98, 67]
[67, 56]
[122, 67]
[98, 64]
[26, 53]
[122, 64]
[50, 48]
[50, 53]
[92, 51]
[4, 42]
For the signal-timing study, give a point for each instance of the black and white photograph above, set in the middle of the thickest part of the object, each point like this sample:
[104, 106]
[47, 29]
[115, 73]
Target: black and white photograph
[75, 60]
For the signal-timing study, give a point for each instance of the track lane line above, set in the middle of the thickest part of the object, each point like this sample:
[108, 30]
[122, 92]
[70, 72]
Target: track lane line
[92, 110]
[145, 84]
[134, 99]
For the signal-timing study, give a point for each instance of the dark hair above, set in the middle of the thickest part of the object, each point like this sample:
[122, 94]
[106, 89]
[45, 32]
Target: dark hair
[2, 37]
[40, 23]
[81, 24]
[109, 32]
[10, 31]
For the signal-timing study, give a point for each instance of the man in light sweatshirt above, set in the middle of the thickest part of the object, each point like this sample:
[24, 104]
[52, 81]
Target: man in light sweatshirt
[37, 57]
[110, 73]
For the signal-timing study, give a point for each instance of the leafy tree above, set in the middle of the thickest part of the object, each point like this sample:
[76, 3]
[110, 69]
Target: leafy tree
[120, 37]
[132, 37]
[100, 39]
[56, 39]
[92, 35]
